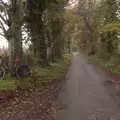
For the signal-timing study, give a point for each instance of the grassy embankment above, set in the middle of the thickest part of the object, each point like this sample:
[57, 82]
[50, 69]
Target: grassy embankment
[111, 65]
[40, 79]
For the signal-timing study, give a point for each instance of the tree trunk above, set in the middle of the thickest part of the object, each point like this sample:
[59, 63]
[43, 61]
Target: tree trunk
[39, 43]
[15, 37]
[15, 47]
[58, 51]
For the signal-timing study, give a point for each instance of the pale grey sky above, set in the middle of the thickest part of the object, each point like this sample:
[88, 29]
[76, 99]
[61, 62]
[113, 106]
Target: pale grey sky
[3, 42]
[72, 4]
[5, 0]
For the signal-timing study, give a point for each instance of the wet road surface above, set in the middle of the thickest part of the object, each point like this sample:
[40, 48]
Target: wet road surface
[84, 96]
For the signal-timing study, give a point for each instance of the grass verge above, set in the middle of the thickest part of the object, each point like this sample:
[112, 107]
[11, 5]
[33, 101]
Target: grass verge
[106, 64]
[40, 79]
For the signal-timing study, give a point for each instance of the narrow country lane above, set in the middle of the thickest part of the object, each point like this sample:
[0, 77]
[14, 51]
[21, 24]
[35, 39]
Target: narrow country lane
[84, 96]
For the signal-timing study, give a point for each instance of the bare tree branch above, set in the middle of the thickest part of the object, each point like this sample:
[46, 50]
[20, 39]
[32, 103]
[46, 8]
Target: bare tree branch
[3, 35]
[3, 3]
[5, 8]
[3, 27]
[3, 19]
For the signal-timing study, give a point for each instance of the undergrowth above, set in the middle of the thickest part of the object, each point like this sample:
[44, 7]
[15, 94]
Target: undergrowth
[41, 77]
[111, 64]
